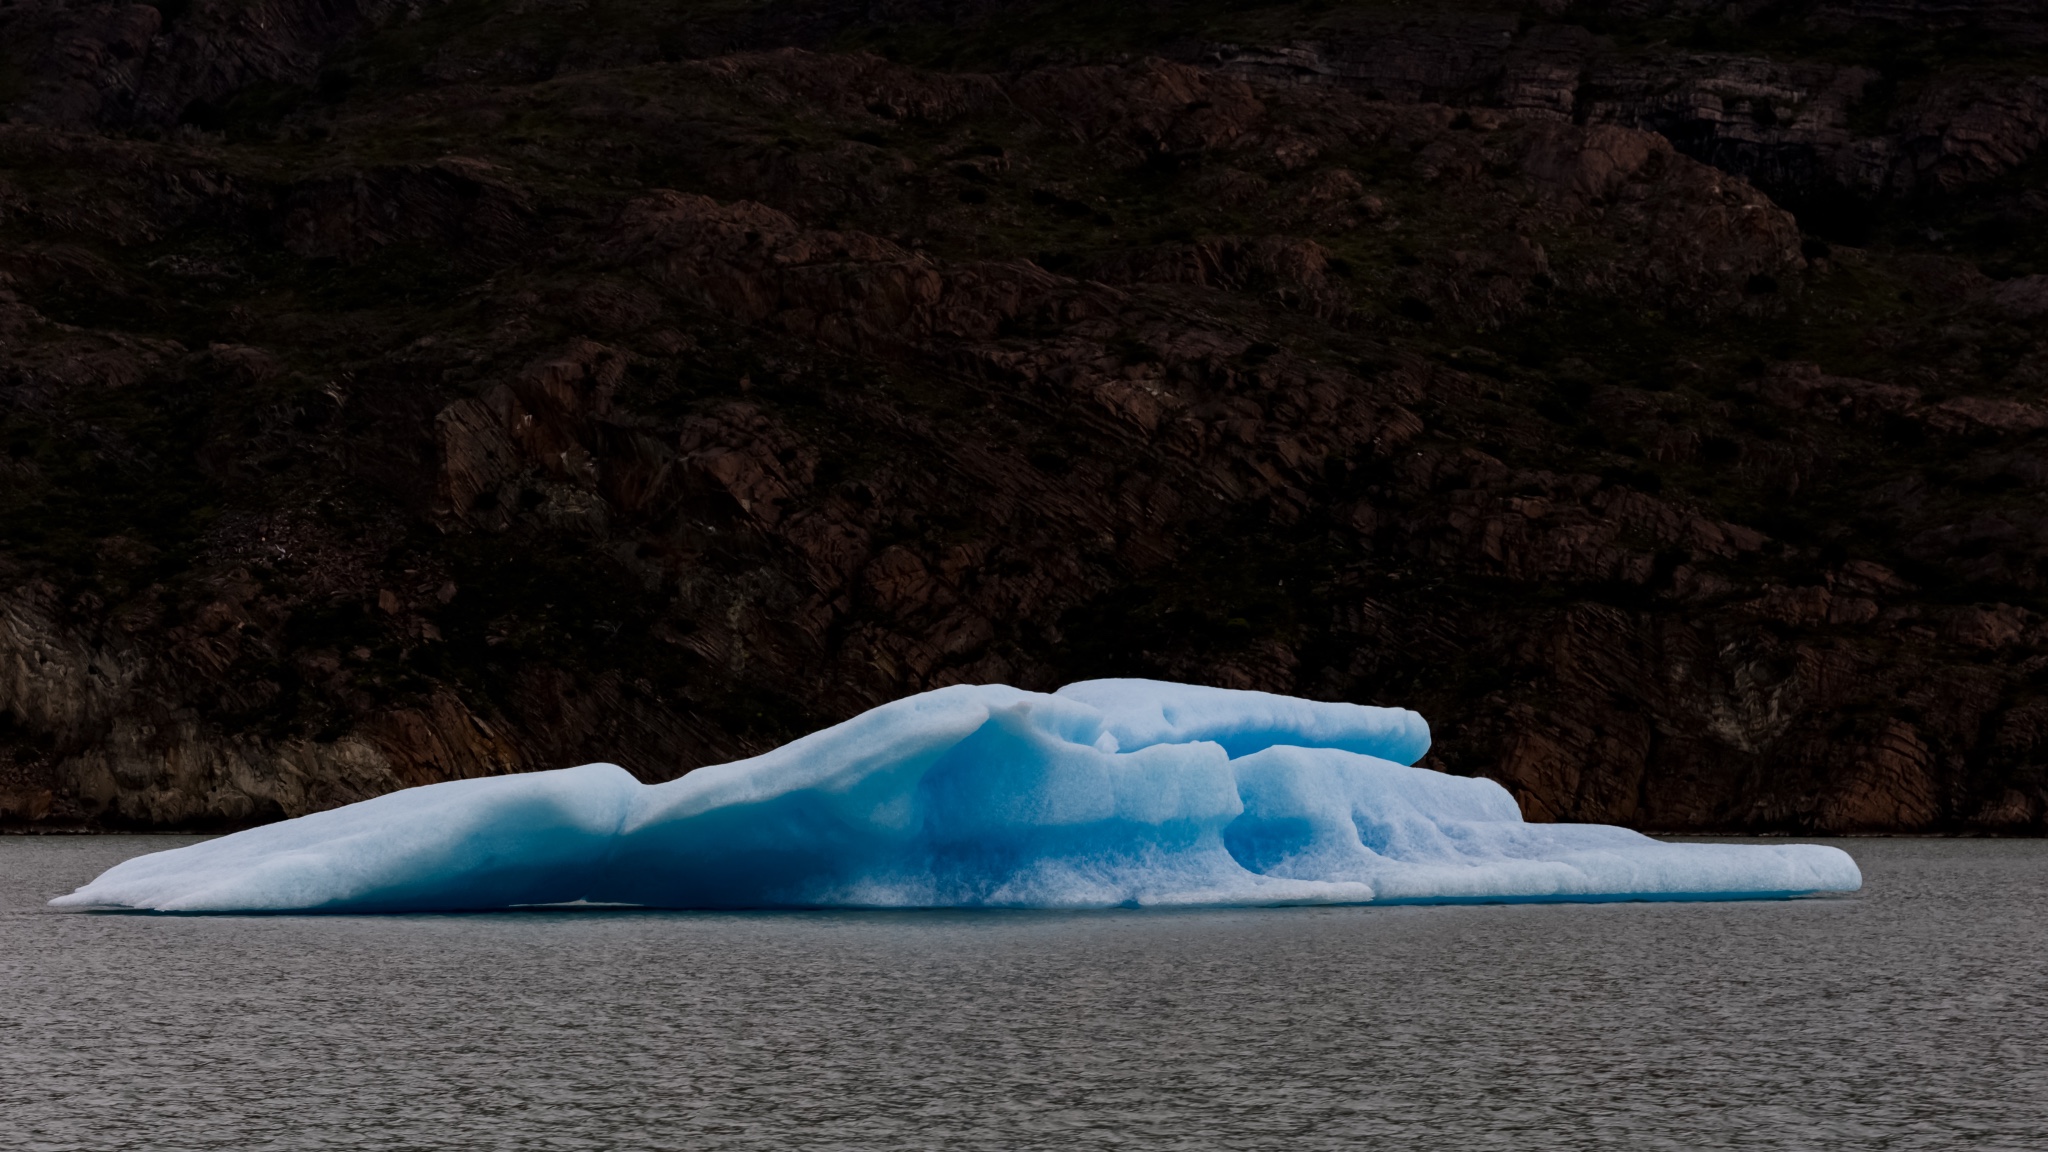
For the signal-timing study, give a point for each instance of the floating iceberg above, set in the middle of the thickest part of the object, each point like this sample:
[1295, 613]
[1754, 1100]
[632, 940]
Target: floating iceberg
[1105, 793]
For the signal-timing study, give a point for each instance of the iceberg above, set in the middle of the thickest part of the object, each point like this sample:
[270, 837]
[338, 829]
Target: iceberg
[1107, 793]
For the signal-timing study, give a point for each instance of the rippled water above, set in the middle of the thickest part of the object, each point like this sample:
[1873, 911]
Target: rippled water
[1910, 1016]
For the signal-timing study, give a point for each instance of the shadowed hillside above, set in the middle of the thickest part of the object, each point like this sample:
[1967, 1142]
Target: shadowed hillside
[1652, 394]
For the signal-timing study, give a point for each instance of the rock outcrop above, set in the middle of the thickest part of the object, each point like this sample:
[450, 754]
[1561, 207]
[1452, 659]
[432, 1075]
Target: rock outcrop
[1787, 124]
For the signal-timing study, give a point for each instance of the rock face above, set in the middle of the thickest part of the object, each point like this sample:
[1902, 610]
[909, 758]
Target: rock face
[1788, 124]
[155, 65]
[395, 395]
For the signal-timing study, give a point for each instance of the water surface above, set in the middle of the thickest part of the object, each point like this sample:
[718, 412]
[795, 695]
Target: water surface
[1912, 1015]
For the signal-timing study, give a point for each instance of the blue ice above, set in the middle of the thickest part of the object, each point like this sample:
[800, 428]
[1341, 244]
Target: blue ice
[1106, 793]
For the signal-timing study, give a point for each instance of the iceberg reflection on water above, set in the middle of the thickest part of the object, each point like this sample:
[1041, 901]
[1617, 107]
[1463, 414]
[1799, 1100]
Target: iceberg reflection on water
[1105, 793]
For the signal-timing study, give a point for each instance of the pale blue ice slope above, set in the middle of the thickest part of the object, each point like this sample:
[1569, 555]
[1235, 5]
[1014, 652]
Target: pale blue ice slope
[1110, 792]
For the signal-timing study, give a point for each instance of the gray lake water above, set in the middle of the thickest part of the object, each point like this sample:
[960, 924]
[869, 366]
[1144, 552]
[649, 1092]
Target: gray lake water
[1911, 1015]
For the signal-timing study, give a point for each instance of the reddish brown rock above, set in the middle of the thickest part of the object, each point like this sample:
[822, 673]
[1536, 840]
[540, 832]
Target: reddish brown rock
[689, 406]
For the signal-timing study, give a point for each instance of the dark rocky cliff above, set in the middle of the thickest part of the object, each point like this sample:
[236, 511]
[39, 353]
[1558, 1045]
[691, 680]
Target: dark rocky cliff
[1653, 394]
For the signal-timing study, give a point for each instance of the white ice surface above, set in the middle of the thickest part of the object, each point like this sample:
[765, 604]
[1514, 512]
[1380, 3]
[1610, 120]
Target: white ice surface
[1106, 793]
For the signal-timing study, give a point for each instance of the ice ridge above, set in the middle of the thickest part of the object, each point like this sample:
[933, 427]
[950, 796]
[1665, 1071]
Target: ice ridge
[1105, 793]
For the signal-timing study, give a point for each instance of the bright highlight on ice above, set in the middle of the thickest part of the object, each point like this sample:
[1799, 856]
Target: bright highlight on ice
[1105, 793]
